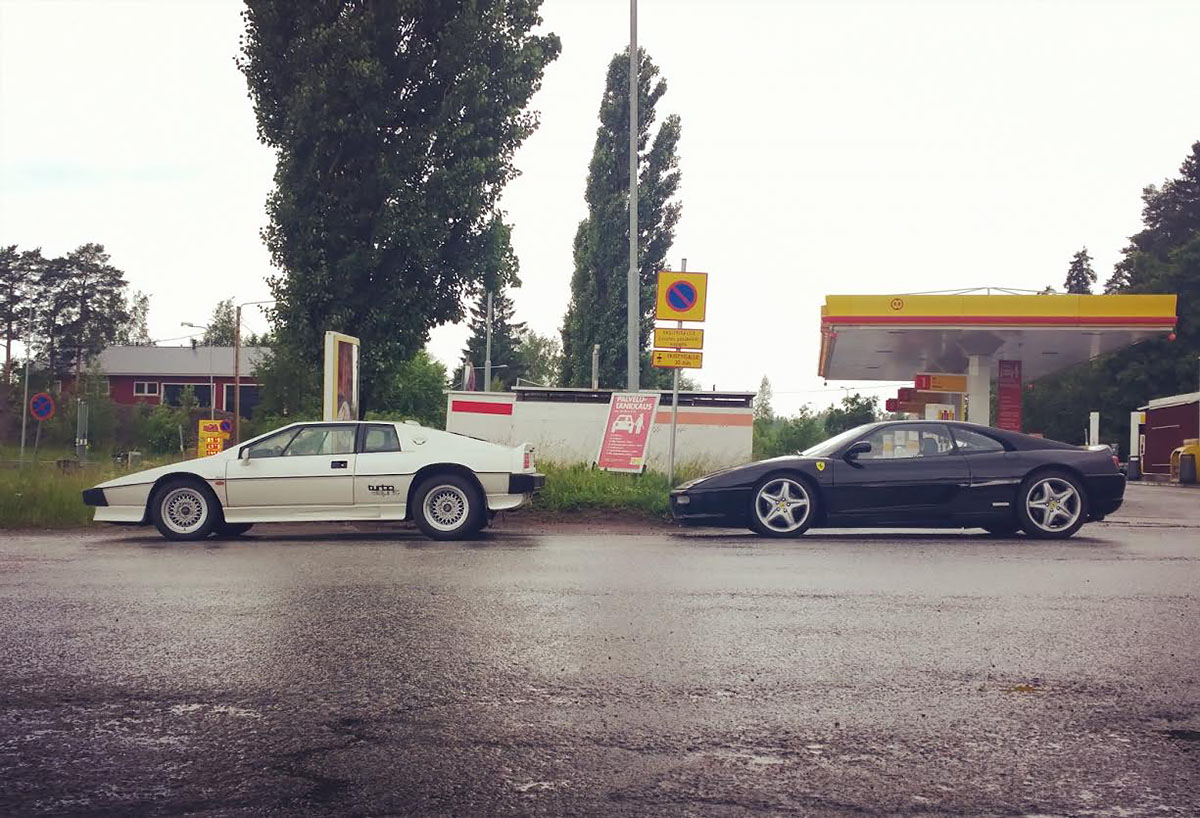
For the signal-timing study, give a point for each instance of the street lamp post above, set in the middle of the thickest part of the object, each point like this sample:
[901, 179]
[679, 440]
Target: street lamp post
[212, 390]
[237, 366]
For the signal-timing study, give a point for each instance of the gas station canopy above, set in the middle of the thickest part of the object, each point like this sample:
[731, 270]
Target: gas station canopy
[891, 337]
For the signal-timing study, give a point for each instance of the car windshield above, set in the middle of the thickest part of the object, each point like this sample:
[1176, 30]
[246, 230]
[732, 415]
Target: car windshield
[828, 447]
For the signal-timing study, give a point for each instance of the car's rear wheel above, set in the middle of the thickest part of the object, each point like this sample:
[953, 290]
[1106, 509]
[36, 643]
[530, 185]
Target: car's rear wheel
[449, 507]
[233, 529]
[1051, 505]
[184, 509]
[782, 506]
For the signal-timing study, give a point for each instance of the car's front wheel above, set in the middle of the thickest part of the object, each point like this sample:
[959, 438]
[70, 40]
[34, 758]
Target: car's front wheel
[1051, 505]
[783, 506]
[185, 509]
[449, 507]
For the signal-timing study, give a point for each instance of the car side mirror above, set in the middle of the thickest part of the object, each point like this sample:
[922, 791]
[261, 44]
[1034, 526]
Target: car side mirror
[861, 447]
[244, 454]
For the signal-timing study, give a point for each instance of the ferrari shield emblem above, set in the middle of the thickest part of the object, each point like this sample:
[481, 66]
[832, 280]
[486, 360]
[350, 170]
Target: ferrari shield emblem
[820, 465]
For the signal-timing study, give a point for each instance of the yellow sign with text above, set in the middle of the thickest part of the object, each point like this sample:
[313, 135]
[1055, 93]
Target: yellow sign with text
[679, 338]
[672, 359]
[211, 436]
[937, 382]
[681, 296]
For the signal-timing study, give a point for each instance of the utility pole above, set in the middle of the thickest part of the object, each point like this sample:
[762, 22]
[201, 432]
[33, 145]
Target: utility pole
[237, 367]
[25, 402]
[674, 409]
[487, 349]
[632, 285]
[595, 366]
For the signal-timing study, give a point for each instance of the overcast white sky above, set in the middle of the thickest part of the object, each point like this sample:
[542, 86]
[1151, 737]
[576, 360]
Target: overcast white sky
[828, 147]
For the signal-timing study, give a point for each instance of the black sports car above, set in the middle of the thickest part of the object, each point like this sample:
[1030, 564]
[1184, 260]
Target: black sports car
[914, 474]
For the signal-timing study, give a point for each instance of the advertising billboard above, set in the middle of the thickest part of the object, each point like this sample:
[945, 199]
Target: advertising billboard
[627, 432]
[340, 394]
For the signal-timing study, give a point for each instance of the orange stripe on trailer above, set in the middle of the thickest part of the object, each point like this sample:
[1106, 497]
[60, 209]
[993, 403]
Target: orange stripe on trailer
[705, 419]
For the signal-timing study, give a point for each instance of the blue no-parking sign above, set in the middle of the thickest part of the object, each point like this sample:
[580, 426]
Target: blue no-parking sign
[41, 406]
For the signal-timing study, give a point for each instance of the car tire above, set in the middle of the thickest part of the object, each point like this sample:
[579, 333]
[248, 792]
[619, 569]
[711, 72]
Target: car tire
[777, 503]
[185, 509]
[233, 529]
[1051, 505]
[449, 507]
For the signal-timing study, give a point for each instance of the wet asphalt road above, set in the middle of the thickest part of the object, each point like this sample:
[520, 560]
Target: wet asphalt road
[588, 671]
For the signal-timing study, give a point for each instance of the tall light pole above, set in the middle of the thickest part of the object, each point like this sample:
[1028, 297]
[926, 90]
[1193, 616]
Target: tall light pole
[633, 288]
[237, 366]
[212, 390]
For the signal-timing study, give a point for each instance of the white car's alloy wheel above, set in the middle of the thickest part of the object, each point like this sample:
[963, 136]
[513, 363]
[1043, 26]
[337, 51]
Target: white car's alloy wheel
[447, 508]
[184, 510]
[782, 505]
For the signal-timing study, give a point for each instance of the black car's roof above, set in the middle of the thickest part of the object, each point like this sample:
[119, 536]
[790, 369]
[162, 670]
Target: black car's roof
[1016, 440]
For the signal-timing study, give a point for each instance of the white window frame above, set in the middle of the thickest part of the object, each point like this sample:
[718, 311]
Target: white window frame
[227, 394]
[144, 394]
[162, 390]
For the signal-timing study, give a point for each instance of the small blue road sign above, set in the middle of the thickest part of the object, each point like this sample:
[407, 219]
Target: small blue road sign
[41, 406]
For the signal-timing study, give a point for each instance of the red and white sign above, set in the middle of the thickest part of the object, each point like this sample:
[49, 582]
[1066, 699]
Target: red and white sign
[1008, 396]
[627, 432]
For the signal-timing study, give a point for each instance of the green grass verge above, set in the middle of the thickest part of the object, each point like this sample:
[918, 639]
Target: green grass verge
[578, 487]
[42, 496]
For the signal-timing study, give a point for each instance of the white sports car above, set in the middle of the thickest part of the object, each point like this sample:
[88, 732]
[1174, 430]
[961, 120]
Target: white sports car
[449, 484]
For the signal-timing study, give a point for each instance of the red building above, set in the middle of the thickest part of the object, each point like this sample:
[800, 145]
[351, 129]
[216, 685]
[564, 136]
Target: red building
[1169, 421]
[154, 375]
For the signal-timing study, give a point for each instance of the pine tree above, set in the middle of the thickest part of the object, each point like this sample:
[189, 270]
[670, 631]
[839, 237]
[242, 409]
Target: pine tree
[81, 308]
[1080, 276]
[597, 312]
[507, 364]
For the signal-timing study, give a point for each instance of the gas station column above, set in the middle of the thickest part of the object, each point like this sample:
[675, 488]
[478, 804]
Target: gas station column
[979, 389]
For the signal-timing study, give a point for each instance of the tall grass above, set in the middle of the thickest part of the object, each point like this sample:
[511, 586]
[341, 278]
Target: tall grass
[41, 495]
[578, 487]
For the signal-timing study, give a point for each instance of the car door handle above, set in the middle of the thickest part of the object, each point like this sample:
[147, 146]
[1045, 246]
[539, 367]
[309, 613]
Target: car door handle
[337, 464]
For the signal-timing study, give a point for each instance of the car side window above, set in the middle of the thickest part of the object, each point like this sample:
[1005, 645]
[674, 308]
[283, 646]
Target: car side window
[908, 442]
[311, 440]
[970, 442]
[380, 439]
[274, 445]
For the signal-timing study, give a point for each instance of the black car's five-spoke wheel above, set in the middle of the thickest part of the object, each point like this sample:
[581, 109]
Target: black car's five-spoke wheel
[1051, 505]
[185, 509]
[448, 507]
[783, 506]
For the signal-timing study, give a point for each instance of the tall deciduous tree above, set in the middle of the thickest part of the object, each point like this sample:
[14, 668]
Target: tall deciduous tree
[136, 329]
[762, 401]
[854, 411]
[1080, 276]
[540, 357]
[221, 325]
[506, 363]
[597, 311]
[395, 124]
